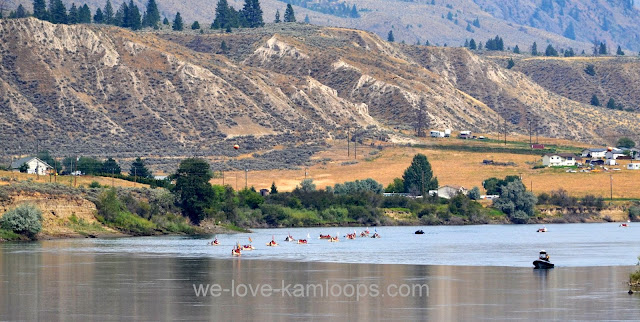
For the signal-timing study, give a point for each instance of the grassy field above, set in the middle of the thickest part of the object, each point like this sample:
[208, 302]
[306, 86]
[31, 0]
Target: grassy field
[66, 180]
[452, 167]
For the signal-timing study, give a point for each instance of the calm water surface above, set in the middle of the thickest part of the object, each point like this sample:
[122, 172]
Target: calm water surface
[461, 273]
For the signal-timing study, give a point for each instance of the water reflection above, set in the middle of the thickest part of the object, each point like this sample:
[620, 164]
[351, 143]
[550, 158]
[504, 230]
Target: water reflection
[41, 285]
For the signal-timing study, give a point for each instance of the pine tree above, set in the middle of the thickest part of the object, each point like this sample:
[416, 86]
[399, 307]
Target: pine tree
[289, 15]
[108, 14]
[469, 29]
[277, 19]
[550, 51]
[252, 14]
[390, 37]
[611, 104]
[72, 18]
[121, 17]
[534, 49]
[274, 189]
[516, 49]
[476, 23]
[20, 12]
[165, 21]
[135, 19]
[472, 44]
[98, 17]
[510, 63]
[418, 177]
[569, 53]
[619, 52]
[466, 43]
[594, 100]
[84, 14]
[57, 12]
[195, 25]
[177, 23]
[40, 9]
[139, 169]
[306, 19]
[223, 15]
[603, 49]
[151, 15]
[223, 47]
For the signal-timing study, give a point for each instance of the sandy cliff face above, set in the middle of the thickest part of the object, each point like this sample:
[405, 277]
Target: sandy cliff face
[57, 211]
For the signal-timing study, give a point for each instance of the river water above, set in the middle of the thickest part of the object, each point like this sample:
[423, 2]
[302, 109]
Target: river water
[460, 273]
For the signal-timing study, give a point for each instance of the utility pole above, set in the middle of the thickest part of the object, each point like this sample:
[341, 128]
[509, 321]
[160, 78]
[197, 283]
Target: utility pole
[113, 183]
[246, 175]
[75, 177]
[135, 176]
[348, 144]
[355, 146]
[222, 177]
[611, 179]
[505, 131]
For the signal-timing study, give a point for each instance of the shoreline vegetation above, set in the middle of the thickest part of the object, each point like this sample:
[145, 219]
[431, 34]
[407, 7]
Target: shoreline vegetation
[192, 205]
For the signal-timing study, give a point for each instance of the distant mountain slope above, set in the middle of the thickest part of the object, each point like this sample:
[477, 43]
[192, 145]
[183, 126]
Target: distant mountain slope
[450, 22]
[617, 78]
[105, 91]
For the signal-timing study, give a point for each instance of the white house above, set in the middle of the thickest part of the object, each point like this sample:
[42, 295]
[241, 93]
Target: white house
[559, 160]
[35, 165]
[449, 192]
[633, 166]
[594, 153]
[614, 154]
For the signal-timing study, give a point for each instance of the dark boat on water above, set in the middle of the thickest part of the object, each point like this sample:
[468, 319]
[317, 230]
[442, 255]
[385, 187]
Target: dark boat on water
[419, 232]
[543, 261]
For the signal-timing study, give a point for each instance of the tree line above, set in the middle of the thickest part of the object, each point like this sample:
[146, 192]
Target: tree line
[128, 15]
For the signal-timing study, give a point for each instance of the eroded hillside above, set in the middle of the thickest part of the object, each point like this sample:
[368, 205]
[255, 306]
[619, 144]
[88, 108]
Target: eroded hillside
[105, 91]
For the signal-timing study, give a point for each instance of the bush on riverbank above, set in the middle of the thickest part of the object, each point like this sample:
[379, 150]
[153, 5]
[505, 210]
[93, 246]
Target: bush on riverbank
[24, 220]
[113, 213]
[634, 278]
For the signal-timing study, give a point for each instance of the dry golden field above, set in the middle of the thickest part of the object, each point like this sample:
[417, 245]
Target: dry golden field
[451, 168]
[67, 180]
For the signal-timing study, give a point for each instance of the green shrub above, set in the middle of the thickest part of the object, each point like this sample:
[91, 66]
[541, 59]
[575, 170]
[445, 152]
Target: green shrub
[25, 220]
[94, 184]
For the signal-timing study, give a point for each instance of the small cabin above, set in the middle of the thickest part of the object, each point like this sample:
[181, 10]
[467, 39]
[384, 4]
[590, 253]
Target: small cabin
[437, 134]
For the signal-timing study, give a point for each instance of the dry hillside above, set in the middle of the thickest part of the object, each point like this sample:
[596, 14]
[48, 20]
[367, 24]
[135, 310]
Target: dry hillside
[518, 22]
[105, 91]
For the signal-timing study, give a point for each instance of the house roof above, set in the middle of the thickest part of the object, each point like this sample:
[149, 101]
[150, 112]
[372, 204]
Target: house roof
[18, 163]
[452, 186]
[596, 150]
[564, 155]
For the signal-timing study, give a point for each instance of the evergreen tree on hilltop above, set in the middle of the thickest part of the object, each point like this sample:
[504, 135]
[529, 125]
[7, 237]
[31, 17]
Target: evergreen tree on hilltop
[472, 44]
[121, 18]
[306, 19]
[20, 12]
[134, 17]
[72, 17]
[516, 49]
[57, 12]
[603, 49]
[165, 21]
[594, 100]
[223, 15]
[277, 19]
[619, 52]
[40, 9]
[99, 16]
[252, 14]
[534, 49]
[110, 166]
[108, 13]
[178, 25]
[289, 15]
[550, 51]
[84, 14]
[390, 37]
[195, 25]
[151, 15]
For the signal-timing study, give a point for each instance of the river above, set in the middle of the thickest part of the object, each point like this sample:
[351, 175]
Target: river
[450, 272]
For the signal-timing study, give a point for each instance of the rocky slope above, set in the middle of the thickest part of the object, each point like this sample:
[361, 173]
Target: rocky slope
[105, 91]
